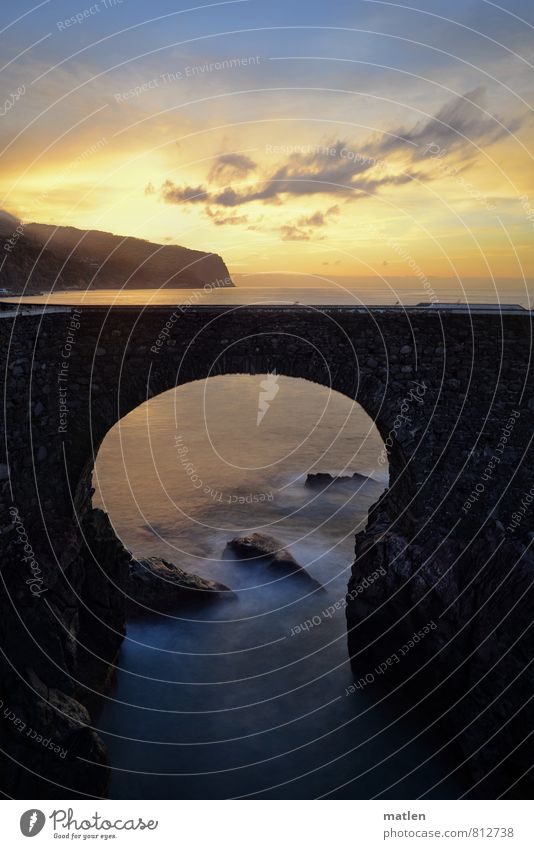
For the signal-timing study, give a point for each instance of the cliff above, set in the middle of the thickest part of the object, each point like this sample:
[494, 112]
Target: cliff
[41, 257]
[446, 634]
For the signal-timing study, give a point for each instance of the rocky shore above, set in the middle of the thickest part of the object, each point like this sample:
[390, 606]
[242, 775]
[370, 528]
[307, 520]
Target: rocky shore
[49, 748]
[448, 630]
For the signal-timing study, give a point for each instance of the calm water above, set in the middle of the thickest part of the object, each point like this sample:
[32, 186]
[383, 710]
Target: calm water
[354, 293]
[221, 700]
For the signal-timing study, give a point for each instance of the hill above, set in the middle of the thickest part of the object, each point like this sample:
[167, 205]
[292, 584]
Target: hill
[42, 257]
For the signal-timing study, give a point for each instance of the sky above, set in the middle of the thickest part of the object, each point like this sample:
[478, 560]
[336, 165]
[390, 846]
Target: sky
[352, 139]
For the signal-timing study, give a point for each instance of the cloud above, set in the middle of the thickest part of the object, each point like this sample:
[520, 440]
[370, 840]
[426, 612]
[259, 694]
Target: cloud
[343, 168]
[290, 233]
[229, 166]
[305, 228]
[186, 194]
[299, 183]
[461, 123]
[220, 219]
[328, 170]
[318, 219]
[315, 220]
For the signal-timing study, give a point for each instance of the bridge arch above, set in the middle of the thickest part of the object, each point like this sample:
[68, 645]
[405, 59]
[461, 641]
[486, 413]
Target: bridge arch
[442, 386]
[206, 441]
[144, 371]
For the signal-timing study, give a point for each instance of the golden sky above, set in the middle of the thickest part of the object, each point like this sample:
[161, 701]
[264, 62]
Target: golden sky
[379, 143]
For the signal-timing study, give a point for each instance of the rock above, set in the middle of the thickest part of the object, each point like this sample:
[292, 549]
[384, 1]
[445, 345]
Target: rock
[65, 258]
[104, 563]
[156, 584]
[321, 479]
[51, 734]
[473, 682]
[256, 546]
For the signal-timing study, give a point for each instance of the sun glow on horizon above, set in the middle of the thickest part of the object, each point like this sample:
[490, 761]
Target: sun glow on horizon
[311, 166]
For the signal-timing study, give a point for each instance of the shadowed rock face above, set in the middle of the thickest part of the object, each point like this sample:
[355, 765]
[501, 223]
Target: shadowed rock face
[452, 625]
[70, 636]
[49, 733]
[44, 257]
[261, 546]
[156, 584]
[74, 641]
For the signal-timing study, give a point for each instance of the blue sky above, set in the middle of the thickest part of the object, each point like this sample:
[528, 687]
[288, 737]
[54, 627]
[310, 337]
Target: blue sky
[131, 28]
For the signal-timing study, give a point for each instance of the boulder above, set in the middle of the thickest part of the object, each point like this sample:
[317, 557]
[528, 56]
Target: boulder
[256, 546]
[156, 584]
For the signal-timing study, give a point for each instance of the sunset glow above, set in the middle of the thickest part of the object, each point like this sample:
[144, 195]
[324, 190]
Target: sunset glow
[340, 142]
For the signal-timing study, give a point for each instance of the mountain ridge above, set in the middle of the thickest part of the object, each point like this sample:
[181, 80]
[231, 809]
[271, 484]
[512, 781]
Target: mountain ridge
[45, 257]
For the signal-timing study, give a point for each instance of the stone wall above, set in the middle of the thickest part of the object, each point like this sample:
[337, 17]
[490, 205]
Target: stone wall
[442, 387]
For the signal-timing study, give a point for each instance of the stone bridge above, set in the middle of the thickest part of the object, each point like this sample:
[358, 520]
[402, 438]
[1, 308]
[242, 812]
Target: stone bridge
[452, 393]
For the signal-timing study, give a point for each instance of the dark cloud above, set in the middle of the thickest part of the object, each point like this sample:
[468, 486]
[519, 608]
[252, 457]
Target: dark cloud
[306, 183]
[228, 197]
[342, 169]
[185, 194]
[288, 180]
[461, 123]
[328, 170]
[231, 165]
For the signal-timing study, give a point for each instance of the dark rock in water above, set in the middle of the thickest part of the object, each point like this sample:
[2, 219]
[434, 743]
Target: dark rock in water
[155, 584]
[321, 479]
[259, 545]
